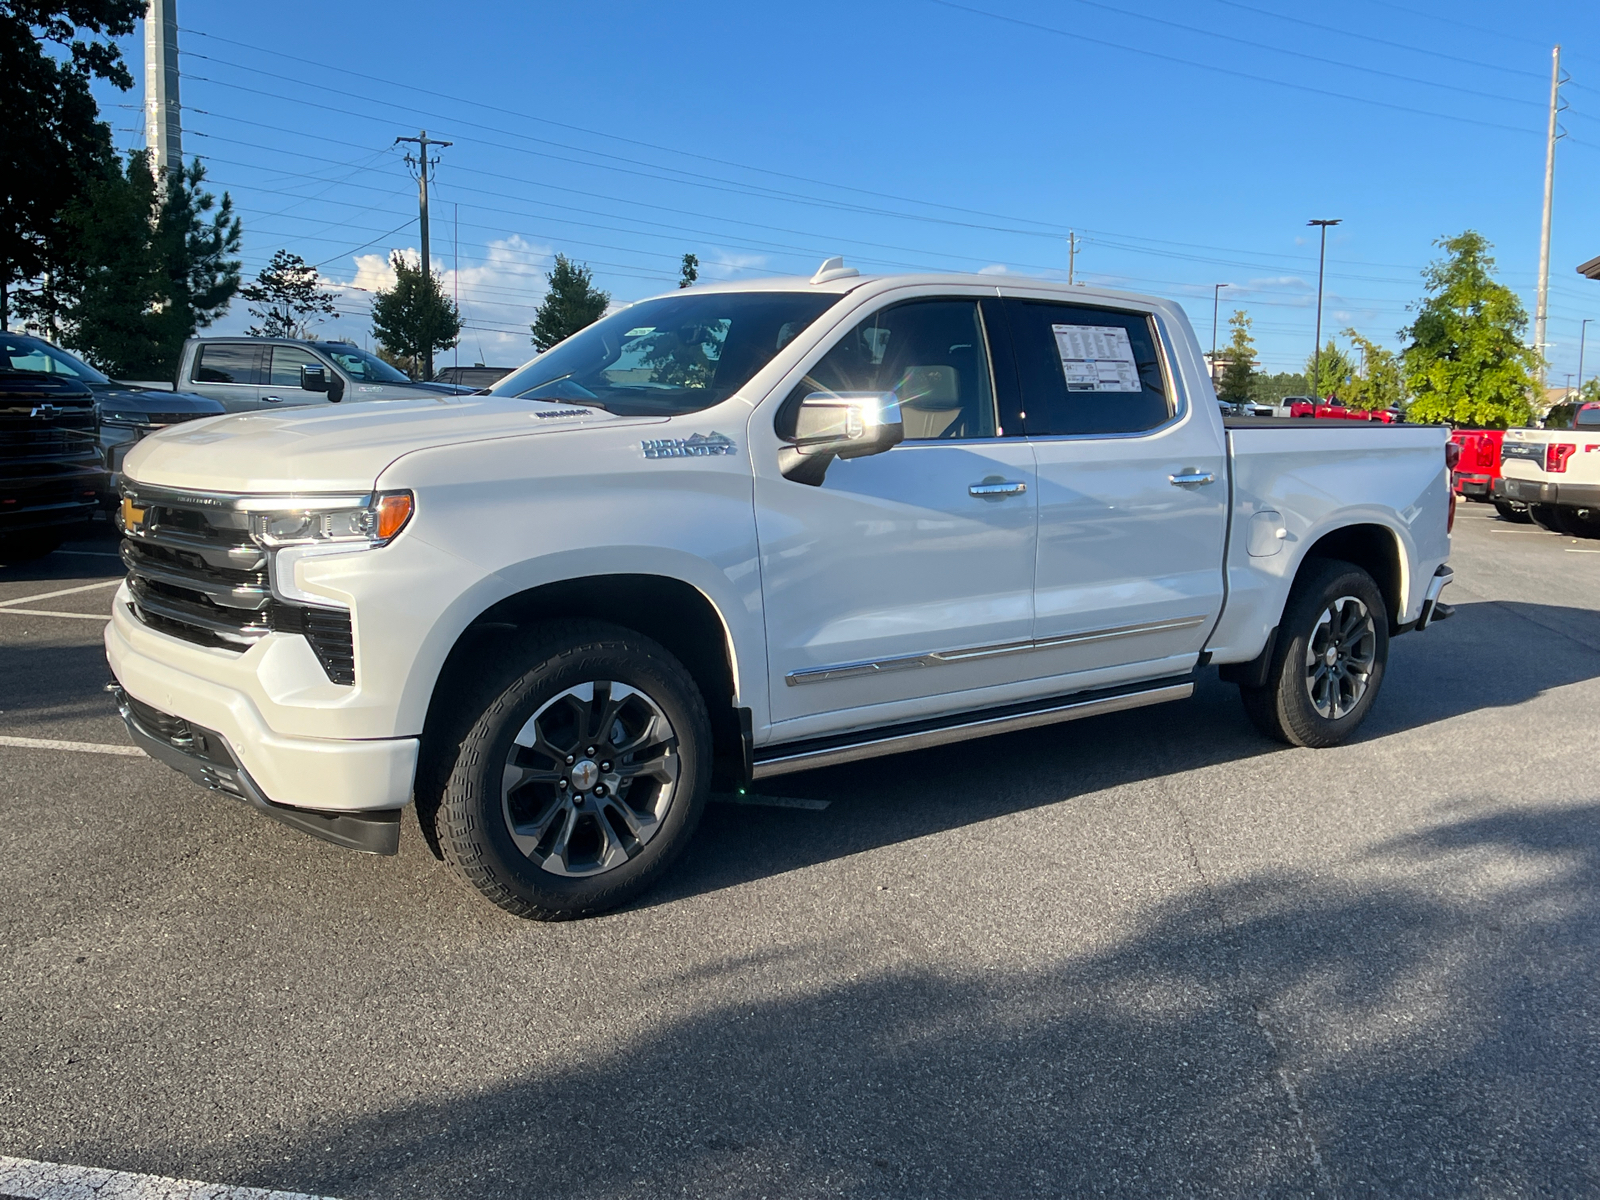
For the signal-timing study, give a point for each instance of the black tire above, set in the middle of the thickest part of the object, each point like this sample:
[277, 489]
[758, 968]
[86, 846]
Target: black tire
[1512, 510]
[563, 842]
[1544, 516]
[1578, 522]
[1284, 708]
[28, 547]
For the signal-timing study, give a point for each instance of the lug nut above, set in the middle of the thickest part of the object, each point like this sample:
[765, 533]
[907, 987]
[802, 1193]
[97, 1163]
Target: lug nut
[571, 758]
[605, 766]
[599, 789]
[589, 752]
[562, 785]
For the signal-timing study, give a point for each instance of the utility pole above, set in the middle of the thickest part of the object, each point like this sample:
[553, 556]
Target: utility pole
[163, 128]
[1316, 351]
[421, 162]
[1583, 329]
[1216, 291]
[1542, 308]
[1072, 256]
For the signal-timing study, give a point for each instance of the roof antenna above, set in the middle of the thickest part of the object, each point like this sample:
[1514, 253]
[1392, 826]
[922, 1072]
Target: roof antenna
[833, 268]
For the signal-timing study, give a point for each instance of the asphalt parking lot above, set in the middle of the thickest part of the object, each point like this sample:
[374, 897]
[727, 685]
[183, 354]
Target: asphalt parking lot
[1150, 953]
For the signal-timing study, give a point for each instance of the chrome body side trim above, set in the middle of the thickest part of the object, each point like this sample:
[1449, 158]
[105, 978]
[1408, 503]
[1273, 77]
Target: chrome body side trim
[938, 657]
[872, 747]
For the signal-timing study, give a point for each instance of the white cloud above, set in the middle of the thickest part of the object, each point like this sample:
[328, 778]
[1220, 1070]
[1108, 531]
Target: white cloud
[725, 265]
[994, 269]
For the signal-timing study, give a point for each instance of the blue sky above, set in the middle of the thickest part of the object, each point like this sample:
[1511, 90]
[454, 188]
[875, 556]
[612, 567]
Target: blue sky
[1187, 144]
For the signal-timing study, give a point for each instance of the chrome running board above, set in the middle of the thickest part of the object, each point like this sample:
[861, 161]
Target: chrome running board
[780, 760]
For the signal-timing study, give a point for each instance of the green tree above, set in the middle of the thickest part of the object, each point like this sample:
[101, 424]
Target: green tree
[1241, 358]
[1329, 371]
[571, 304]
[286, 298]
[1377, 383]
[1271, 389]
[54, 143]
[1466, 362]
[691, 271]
[414, 319]
[152, 264]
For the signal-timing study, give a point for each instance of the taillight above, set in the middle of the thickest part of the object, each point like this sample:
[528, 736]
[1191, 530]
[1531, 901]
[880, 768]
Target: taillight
[1452, 454]
[1556, 455]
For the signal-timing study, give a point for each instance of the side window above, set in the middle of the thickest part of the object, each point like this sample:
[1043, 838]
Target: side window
[1087, 370]
[226, 362]
[286, 364]
[930, 353]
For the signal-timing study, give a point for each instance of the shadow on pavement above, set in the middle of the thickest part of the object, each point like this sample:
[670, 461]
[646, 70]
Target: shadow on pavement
[1429, 1034]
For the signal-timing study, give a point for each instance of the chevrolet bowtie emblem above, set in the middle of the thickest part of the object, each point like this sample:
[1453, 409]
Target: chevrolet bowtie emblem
[45, 411]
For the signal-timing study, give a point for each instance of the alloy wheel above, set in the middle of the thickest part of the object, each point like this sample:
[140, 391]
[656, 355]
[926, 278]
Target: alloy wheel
[1340, 654]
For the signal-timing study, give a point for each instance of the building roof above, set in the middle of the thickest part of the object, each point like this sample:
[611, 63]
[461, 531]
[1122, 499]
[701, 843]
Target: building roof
[1590, 269]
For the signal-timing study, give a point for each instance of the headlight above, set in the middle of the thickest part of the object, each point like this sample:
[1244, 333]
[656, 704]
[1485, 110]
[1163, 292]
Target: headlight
[127, 419]
[374, 522]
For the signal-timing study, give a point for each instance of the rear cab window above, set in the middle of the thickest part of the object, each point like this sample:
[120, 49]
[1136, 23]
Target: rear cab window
[226, 362]
[1086, 369]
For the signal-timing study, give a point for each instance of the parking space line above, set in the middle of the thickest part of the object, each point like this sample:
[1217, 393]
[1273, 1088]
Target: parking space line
[84, 747]
[45, 612]
[27, 1179]
[72, 591]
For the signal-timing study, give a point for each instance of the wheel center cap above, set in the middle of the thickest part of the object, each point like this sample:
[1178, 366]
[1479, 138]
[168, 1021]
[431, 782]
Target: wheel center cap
[585, 774]
[1331, 655]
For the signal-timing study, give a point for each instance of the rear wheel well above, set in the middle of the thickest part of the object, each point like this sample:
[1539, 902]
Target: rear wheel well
[483, 662]
[1375, 550]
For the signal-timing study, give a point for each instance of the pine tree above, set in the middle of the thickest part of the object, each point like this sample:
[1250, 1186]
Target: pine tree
[571, 304]
[1466, 362]
[286, 297]
[1241, 356]
[414, 317]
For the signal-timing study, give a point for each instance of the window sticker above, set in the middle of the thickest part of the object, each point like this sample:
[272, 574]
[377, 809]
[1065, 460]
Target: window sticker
[1097, 358]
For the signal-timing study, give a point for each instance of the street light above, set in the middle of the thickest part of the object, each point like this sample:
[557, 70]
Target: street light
[1216, 291]
[1582, 330]
[1316, 350]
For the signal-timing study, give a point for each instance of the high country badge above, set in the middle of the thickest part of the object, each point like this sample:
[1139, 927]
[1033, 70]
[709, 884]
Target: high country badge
[696, 445]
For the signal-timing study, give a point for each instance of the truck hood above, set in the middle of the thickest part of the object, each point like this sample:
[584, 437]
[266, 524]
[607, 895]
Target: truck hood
[339, 449]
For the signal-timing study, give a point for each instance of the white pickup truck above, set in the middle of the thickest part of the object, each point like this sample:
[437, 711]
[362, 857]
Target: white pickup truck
[1555, 471]
[738, 531]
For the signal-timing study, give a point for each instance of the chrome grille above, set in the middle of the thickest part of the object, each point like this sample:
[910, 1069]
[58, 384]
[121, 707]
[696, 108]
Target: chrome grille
[196, 574]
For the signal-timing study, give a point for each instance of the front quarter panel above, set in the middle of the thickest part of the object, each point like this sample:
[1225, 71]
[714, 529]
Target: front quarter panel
[494, 519]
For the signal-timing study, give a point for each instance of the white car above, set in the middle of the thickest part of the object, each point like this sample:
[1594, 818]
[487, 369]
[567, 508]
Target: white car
[738, 531]
[1556, 473]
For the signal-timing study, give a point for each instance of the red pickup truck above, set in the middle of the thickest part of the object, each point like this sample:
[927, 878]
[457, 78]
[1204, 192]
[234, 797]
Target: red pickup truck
[1304, 406]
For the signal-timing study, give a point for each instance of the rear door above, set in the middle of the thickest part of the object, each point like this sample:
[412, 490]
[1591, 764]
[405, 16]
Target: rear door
[1133, 490]
[282, 385]
[229, 372]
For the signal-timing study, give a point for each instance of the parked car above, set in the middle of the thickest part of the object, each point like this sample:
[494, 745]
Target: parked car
[1556, 473]
[125, 412]
[251, 374]
[50, 473]
[1477, 474]
[739, 531]
[476, 376]
[1335, 409]
[1254, 408]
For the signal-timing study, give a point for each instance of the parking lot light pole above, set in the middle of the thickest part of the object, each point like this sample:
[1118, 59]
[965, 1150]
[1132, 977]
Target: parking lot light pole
[1583, 330]
[1216, 291]
[1316, 349]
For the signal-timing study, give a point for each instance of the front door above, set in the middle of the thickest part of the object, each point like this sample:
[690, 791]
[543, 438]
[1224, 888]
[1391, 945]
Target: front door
[282, 388]
[1133, 493]
[900, 581]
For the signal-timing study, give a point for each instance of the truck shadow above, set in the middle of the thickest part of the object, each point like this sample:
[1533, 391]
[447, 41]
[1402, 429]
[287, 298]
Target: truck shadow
[1483, 658]
[1418, 1023]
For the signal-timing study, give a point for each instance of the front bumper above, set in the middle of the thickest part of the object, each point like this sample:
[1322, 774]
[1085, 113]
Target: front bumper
[206, 757]
[1535, 491]
[325, 774]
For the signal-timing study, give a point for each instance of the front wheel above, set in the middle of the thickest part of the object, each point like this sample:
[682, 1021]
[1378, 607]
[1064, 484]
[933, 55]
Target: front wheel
[1329, 659]
[583, 780]
[1512, 510]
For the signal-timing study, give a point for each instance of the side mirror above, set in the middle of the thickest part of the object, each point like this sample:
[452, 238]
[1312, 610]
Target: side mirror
[313, 379]
[831, 425]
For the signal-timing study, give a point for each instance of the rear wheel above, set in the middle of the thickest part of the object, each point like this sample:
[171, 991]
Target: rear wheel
[1512, 510]
[582, 780]
[1579, 522]
[1329, 660]
[1544, 516]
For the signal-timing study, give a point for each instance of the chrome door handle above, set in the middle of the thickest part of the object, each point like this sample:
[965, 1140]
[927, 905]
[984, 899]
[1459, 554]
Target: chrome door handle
[1001, 488]
[271, 400]
[1191, 479]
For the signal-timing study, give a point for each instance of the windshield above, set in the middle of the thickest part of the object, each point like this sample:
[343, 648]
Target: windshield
[363, 367]
[41, 358]
[678, 354]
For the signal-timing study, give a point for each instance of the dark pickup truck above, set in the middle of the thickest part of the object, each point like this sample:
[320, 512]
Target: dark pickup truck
[50, 469]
